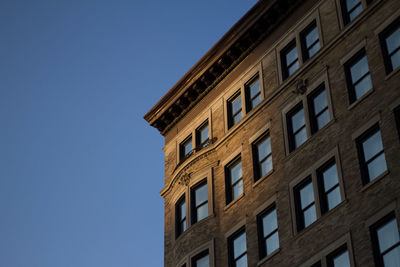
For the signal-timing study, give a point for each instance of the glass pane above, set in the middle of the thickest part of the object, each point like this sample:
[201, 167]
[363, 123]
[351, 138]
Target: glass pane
[388, 235]
[242, 262]
[312, 36]
[293, 68]
[256, 101]
[323, 119]
[342, 260]
[297, 120]
[202, 212]
[314, 49]
[264, 148]
[310, 216]
[372, 146]
[239, 245]
[392, 259]
[330, 177]
[377, 167]
[183, 210]
[203, 262]
[201, 194]
[393, 41]
[269, 222]
[306, 195]
[184, 226]
[363, 86]
[272, 243]
[266, 166]
[395, 58]
[238, 189]
[320, 102]
[350, 4]
[204, 134]
[334, 198]
[359, 69]
[236, 172]
[236, 104]
[291, 56]
[254, 88]
[300, 137]
[237, 118]
[355, 12]
[188, 147]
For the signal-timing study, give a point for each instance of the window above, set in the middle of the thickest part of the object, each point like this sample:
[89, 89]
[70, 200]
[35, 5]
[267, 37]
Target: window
[310, 41]
[351, 9]
[357, 76]
[237, 250]
[339, 258]
[180, 213]
[306, 212]
[289, 59]
[318, 193]
[386, 242]
[234, 181]
[201, 260]
[318, 109]
[262, 156]
[234, 109]
[186, 148]
[371, 154]
[253, 93]
[268, 232]
[296, 125]
[390, 42]
[328, 184]
[199, 202]
[202, 136]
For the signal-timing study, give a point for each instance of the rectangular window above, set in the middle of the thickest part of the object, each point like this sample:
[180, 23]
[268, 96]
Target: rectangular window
[237, 249]
[328, 185]
[268, 232]
[386, 241]
[234, 109]
[262, 156]
[202, 136]
[199, 195]
[180, 214]
[253, 93]
[371, 154]
[234, 181]
[351, 9]
[186, 148]
[318, 109]
[339, 258]
[296, 125]
[306, 212]
[201, 260]
[310, 41]
[357, 76]
[289, 59]
[390, 42]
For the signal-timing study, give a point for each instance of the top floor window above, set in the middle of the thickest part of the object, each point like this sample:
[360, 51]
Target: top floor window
[310, 41]
[186, 148]
[390, 41]
[234, 109]
[289, 59]
[202, 136]
[253, 93]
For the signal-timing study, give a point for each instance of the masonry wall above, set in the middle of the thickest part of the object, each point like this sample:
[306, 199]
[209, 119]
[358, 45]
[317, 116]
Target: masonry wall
[360, 203]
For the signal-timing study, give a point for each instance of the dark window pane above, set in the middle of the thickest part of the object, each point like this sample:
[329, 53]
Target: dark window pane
[377, 166]
[342, 260]
[236, 105]
[242, 262]
[306, 195]
[312, 36]
[203, 262]
[266, 166]
[236, 172]
[363, 86]
[300, 137]
[314, 49]
[270, 222]
[330, 177]
[393, 41]
[323, 119]
[392, 258]
[310, 41]
[234, 182]
[239, 245]
[388, 235]
[310, 216]
[298, 120]
[297, 132]
[186, 148]
[293, 68]
[264, 148]
[358, 76]
[234, 110]
[238, 189]
[320, 102]
[291, 56]
[201, 194]
[352, 3]
[390, 41]
[289, 59]
[263, 157]
[180, 216]
[319, 111]
[334, 198]
[355, 12]
[272, 243]
[202, 136]
[202, 212]
[372, 145]
[200, 202]
[359, 69]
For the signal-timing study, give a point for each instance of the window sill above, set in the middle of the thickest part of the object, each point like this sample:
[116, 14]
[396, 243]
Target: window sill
[266, 258]
[177, 239]
[375, 181]
[259, 181]
[392, 73]
[364, 96]
[233, 202]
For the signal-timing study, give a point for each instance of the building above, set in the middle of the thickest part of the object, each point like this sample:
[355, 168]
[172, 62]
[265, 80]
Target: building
[282, 144]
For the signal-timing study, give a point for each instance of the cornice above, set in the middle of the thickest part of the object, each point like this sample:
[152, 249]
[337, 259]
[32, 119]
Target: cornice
[219, 61]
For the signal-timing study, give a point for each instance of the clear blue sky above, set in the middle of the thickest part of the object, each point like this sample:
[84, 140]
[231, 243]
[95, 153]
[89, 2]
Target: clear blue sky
[80, 169]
